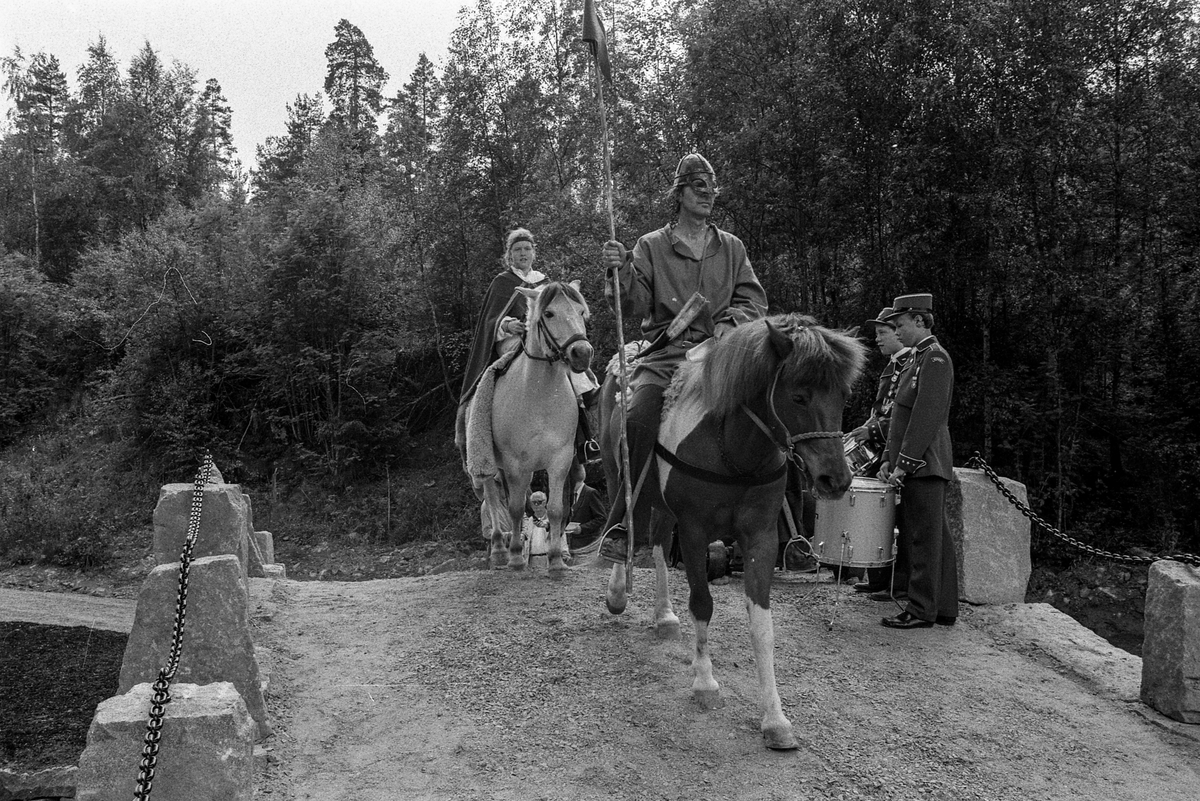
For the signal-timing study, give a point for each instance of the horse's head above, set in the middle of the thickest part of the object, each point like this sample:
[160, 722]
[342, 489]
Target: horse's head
[797, 375]
[817, 369]
[557, 324]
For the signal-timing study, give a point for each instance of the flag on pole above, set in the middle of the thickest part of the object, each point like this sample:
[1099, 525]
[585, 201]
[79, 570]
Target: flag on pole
[597, 39]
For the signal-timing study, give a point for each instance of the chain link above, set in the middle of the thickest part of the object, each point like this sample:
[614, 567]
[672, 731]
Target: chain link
[978, 463]
[162, 685]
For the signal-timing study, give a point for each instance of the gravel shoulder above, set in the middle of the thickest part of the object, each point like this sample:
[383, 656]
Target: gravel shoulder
[499, 685]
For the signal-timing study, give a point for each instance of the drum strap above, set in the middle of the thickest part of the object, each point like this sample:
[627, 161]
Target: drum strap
[791, 521]
[719, 478]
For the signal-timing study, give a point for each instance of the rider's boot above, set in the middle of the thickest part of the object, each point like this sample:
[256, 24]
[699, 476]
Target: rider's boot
[645, 408]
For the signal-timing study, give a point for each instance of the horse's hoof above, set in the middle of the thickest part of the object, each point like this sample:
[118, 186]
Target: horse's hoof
[615, 607]
[709, 699]
[667, 629]
[780, 738]
[516, 564]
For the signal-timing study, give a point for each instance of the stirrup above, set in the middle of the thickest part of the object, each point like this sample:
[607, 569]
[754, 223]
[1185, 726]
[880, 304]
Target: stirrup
[589, 452]
[614, 546]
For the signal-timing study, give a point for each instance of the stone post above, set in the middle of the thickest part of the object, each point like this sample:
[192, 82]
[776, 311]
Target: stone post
[224, 523]
[262, 553]
[216, 638]
[991, 538]
[206, 752]
[1171, 641]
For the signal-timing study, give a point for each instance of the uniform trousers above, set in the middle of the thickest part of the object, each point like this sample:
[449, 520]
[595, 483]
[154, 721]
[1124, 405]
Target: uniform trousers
[932, 563]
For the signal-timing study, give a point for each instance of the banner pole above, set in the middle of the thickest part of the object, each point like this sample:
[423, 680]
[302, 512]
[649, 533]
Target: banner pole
[623, 378]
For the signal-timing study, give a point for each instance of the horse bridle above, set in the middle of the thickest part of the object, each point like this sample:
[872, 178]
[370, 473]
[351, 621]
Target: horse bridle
[557, 352]
[787, 448]
[790, 440]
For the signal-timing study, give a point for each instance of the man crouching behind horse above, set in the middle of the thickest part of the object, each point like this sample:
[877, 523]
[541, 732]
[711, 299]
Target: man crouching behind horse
[658, 278]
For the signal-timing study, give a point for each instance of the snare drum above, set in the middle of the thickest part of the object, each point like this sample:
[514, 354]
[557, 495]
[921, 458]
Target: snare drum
[860, 457]
[859, 529]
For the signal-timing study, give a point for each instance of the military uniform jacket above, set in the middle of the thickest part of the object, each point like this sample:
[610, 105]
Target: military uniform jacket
[919, 433]
[881, 410]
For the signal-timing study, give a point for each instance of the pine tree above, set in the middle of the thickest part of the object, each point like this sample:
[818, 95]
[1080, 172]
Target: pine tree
[211, 156]
[412, 116]
[354, 81]
[280, 157]
[39, 94]
[147, 80]
[100, 87]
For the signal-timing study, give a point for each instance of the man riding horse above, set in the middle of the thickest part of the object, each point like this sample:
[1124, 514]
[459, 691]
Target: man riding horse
[658, 277]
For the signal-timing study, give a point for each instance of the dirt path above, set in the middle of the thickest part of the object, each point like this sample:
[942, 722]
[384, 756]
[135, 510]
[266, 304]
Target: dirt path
[492, 685]
[62, 609]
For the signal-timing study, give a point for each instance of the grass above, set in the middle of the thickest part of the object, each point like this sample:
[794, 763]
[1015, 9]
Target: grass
[71, 498]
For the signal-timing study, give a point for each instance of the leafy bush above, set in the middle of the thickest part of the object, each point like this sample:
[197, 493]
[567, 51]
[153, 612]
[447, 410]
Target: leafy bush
[37, 522]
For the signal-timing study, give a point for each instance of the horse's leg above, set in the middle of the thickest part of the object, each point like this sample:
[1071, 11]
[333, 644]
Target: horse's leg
[695, 552]
[761, 549]
[617, 598]
[555, 512]
[666, 622]
[487, 490]
[518, 488]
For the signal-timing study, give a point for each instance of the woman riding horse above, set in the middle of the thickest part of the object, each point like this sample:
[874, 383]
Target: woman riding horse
[499, 331]
[501, 317]
[523, 418]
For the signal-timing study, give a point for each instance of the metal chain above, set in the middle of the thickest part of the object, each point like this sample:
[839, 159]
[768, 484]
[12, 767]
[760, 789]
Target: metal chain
[978, 463]
[162, 685]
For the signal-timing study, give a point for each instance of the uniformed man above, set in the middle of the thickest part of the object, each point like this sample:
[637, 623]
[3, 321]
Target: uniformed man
[919, 459]
[874, 432]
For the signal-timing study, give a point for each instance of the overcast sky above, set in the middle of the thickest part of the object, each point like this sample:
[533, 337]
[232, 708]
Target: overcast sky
[262, 52]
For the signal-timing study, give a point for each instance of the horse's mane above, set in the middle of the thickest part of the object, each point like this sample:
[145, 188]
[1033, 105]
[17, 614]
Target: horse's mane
[551, 291]
[742, 364]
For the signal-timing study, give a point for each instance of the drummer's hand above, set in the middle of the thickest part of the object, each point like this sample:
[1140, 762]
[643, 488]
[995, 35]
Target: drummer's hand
[885, 470]
[613, 255]
[897, 476]
[859, 435]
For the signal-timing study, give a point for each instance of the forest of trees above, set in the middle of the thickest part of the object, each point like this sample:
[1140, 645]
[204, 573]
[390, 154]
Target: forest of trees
[1033, 163]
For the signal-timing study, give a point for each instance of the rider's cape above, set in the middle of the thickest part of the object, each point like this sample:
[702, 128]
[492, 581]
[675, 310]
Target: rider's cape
[502, 300]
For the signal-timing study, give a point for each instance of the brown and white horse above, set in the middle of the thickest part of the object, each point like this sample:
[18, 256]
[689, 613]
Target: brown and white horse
[534, 414]
[769, 391]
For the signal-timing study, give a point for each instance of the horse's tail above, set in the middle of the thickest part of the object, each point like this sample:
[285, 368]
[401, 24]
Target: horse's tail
[479, 450]
[460, 433]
